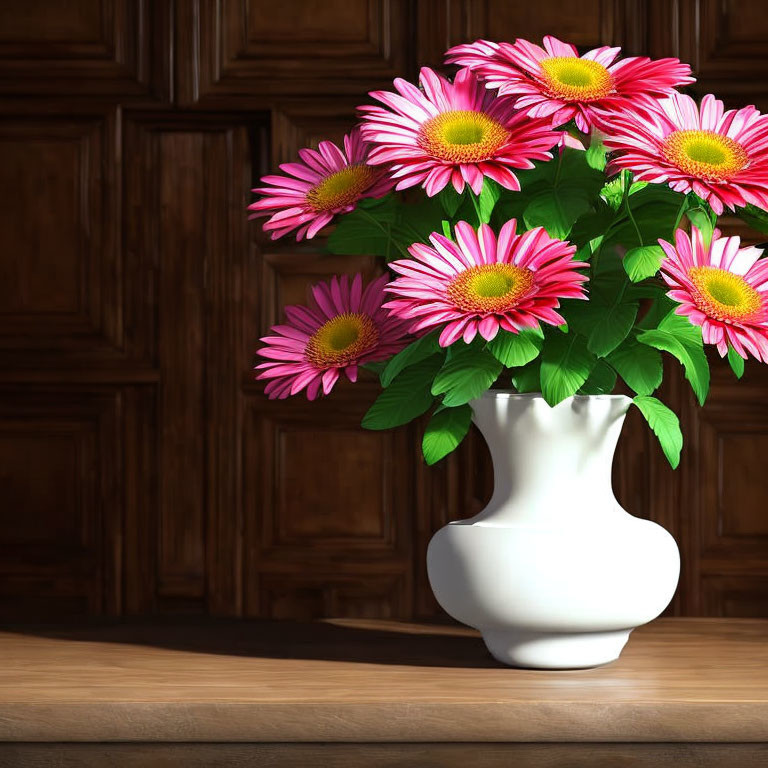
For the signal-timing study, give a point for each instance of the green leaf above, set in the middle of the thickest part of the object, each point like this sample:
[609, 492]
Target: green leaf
[613, 193]
[450, 199]
[756, 217]
[703, 221]
[414, 353]
[528, 378]
[556, 211]
[639, 365]
[559, 191]
[514, 349]
[659, 309]
[489, 194]
[466, 374]
[445, 430]
[406, 398]
[565, 365]
[366, 230]
[612, 326]
[592, 225]
[643, 262]
[601, 381]
[682, 339]
[665, 426]
[736, 361]
[446, 225]
[596, 154]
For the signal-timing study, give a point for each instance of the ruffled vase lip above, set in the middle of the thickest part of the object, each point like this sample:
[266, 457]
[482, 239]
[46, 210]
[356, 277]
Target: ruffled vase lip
[509, 393]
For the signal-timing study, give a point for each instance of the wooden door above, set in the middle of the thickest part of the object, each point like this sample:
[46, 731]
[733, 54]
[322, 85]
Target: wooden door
[141, 469]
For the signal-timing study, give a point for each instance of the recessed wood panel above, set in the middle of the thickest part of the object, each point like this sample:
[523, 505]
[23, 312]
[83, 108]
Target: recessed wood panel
[318, 22]
[731, 476]
[354, 501]
[318, 485]
[307, 597]
[26, 21]
[727, 45]
[305, 123]
[247, 50]
[83, 46]
[60, 470]
[58, 251]
[738, 596]
[581, 22]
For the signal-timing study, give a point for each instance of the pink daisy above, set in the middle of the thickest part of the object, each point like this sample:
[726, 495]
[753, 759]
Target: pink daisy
[346, 328]
[721, 156]
[555, 82]
[481, 284]
[723, 288]
[329, 181]
[452, 132]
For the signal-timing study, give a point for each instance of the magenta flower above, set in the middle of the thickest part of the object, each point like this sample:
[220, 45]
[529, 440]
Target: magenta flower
[555, 82]
[723, 288]
[327, 182]
[480, 284]
[346, 328]
[721, 156]
[452, 132]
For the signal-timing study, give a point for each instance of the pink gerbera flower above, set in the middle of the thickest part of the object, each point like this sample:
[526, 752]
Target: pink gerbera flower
[346, 328]
[721, 156]
[481, 284]
[723, 288]
[555, 82]
[327, 182]
[452, 132]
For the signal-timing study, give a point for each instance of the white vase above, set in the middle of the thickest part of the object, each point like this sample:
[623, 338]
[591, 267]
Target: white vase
[553, 572]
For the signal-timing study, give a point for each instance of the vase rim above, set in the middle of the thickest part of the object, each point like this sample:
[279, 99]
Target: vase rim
[538, 396]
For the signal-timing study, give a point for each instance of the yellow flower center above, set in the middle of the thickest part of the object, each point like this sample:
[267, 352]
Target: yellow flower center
[705, 154]
[341, 188]
[462, 136]
[490, 288]
[723, 295]
[575, 79]
[342, 341]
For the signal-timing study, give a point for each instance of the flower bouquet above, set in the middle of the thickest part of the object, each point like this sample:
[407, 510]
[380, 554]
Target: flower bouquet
[549, 224]
[549, 221]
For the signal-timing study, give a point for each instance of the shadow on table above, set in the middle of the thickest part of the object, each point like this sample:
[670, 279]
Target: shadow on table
[363, 642]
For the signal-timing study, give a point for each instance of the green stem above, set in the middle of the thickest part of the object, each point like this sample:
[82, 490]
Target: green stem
[627, 184]
[681, 211]
[476, 204]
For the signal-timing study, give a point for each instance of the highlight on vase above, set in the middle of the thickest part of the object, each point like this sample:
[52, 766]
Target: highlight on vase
[547, 224]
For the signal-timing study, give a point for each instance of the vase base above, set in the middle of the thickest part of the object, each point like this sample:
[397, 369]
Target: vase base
[555, 650]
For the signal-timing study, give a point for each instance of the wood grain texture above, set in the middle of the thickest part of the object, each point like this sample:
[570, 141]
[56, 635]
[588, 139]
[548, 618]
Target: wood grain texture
[678, 680]
[382, 755]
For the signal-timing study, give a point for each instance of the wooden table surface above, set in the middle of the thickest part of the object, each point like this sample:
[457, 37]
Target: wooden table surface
[678, 680]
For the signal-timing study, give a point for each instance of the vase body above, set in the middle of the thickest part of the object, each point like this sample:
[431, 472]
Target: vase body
[553, 572]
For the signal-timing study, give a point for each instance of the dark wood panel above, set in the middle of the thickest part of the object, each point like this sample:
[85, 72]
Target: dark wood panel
[191, 189]
[134, 291]
[61, 516]
[83, 46]
[60, 297]
[250, 50]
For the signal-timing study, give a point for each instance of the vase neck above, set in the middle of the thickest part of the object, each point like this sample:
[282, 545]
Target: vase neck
[550, 464]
